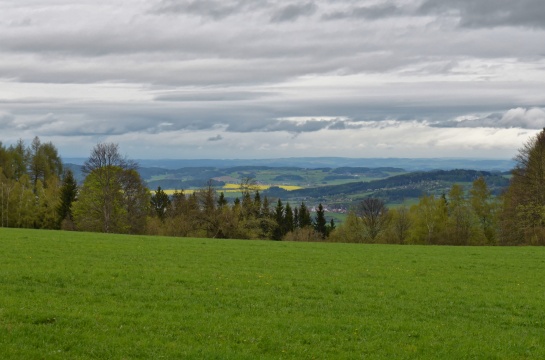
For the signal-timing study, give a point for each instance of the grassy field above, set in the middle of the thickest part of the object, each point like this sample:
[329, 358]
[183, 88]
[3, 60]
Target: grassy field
[79, 295]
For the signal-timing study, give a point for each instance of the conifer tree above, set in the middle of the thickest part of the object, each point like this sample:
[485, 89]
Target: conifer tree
[320, 222]
[68, 194]
[160, 203]
[304, 216]
[221, 200]
[278, 231]
[288, 219]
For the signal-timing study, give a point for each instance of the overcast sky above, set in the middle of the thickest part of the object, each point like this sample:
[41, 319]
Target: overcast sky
[274, 78]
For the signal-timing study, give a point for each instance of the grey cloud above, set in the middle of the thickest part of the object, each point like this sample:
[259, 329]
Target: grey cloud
[6, 119]
[246, 49]
[215, 9]
[293, 12]
[295, 126]
[490, 13]
[216, 138]
[212, 95]
[533, 118]
[368, 12]
[337, 125]
[25, 22]
[298, 127]
[274, 125]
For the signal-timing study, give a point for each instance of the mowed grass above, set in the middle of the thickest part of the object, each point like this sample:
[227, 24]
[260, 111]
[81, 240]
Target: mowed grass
[79, 295]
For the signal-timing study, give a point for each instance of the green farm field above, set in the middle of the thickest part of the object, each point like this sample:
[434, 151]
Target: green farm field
[68, 295]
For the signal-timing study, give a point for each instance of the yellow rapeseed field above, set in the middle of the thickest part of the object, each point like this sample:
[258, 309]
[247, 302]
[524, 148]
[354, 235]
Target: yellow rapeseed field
[236, 188]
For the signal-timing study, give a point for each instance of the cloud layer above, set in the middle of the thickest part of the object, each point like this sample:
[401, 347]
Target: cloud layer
[267, 78]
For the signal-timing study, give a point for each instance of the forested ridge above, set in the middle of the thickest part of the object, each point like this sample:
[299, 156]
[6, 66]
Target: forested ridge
[406, 181]
[38, 191]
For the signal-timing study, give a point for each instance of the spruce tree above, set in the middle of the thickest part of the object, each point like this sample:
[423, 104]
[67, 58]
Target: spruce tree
[320, 223]
[68, 193]
[221, 200]
[257, 205]
[288, 219]
[304, 216]
[278, 232]
[160, 202]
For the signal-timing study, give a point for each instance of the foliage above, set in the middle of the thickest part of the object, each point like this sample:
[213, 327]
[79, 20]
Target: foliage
[523, 215]
[113, 197]
[400, 225]
[485, 208]
[429, 219]
[29, 185]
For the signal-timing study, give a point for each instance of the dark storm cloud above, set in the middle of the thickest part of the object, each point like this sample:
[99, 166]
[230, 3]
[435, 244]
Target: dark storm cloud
[293, 12]
[490, 13]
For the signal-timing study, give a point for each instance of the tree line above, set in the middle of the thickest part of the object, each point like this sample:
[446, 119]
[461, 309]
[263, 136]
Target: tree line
[455, 218]
[37, 192]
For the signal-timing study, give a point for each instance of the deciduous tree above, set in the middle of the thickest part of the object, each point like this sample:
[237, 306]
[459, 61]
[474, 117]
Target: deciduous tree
[523, 215]
[113, 197]
[374, 215]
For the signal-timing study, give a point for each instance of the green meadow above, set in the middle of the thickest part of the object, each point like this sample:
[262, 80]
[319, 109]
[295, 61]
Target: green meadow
[66, 295]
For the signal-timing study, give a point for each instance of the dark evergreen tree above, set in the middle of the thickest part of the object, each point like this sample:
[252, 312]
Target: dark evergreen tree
[288, 219]
[177, 204]
[278, 232]
[68, 194]
[221, 200]
[265, 210]
[266, 222]
[330, 227]
[257, 205]
[320, 222]
[304, 216]
[160, 203]
[247, 205]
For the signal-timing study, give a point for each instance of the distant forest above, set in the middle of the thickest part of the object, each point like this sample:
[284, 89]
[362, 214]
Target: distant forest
[110, 193]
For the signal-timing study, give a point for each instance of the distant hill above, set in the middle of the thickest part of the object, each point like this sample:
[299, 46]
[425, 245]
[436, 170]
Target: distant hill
[341, 185]
[409, 164]
[397, 188]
